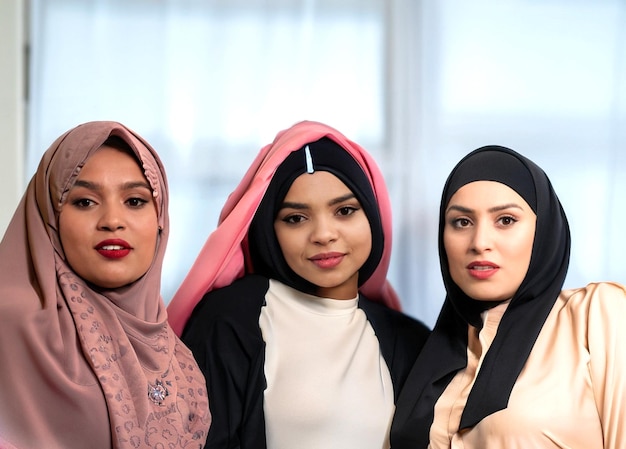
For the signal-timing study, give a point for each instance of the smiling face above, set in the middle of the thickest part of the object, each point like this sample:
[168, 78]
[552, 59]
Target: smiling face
[324, 234]
[108, 224]
[488, 238]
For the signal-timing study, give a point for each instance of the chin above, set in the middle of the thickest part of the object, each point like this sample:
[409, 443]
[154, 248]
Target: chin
[482, 295]
[110, 284]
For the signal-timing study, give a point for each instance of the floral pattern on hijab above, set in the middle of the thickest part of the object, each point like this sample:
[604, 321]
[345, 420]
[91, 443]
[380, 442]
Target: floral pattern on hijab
[103, 363]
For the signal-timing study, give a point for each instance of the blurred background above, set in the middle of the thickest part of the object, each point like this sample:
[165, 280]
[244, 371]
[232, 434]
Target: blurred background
[419, 83]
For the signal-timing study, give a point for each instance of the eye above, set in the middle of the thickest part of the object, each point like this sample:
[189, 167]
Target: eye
[293, 218]
[507, 220]
[461, 222]
[136, 203]
[347, 210]
[82, 203]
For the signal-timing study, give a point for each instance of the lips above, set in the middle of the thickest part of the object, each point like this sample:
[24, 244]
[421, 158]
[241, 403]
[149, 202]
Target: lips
[482, 269]
[113, 248]
[327, 260]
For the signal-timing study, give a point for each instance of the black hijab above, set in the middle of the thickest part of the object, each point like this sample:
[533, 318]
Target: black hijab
[445, 352]
[322, 155]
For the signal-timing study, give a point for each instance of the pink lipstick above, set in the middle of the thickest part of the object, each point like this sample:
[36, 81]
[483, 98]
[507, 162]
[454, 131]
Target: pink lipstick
[482, 269]
[327, 260]
[113, 248]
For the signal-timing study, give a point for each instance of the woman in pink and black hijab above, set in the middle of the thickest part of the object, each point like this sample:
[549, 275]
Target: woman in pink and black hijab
[292, 358]
[88, 357]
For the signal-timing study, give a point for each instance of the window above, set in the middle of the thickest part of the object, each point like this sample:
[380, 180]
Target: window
[418, 82]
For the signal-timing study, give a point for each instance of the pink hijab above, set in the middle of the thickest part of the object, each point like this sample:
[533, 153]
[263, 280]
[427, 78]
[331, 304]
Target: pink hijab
[223, 257]
[83, 367]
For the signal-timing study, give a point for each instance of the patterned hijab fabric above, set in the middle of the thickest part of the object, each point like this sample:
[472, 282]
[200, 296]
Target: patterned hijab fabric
[225, 256]
[446, 350]
[71, 350]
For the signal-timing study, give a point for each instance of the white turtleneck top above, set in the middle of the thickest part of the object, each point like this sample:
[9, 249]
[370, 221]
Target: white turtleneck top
[328, 385]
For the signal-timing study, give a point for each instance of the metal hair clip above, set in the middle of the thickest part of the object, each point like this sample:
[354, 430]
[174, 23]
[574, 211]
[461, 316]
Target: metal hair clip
[309, 160]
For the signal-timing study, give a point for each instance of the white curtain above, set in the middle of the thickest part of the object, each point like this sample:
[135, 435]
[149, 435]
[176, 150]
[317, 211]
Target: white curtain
[418, 83]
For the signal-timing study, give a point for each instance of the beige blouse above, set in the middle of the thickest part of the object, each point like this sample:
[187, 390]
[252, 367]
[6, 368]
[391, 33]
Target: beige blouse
[572, 390]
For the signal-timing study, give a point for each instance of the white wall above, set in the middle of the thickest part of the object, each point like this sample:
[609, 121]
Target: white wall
[12, 108]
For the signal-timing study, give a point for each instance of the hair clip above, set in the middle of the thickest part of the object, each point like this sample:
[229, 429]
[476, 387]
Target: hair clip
[309, 160]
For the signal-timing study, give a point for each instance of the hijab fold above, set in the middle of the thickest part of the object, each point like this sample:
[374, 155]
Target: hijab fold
[446, 350]
[80, 362]
[225, 256]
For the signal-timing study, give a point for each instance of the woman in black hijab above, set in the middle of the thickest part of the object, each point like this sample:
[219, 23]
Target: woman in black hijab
[298, 330]
[513, 361]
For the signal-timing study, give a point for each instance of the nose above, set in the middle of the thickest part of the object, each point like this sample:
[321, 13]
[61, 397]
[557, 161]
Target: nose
[112, 218]
[481, 238]
[324, 231]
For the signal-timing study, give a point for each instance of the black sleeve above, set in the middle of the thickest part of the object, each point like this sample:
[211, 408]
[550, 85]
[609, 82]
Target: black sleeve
[400, 336]
[224, 335]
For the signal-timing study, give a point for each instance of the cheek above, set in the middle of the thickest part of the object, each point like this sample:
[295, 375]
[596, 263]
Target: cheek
[523, 254]
[363, 235]
[68, 233]
[450, 247]
[456, 261]
[154, 240]
[145, 224]
[151, 241]
[522, 247]
[71, 239]
[285, 241]
[151, 226]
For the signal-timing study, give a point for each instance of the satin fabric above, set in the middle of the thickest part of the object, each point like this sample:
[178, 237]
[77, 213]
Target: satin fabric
[78, 362]
[571, 393]
[445, 353]
[223, 257]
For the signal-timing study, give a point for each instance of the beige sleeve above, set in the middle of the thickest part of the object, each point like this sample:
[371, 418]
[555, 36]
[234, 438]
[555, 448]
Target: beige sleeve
[607, 365]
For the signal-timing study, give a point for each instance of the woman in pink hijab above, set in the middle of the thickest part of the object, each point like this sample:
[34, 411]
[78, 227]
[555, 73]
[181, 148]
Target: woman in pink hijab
[288, 309]
[88, 357]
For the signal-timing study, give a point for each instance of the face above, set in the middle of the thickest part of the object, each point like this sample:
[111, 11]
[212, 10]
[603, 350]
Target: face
[488, 237]
[108, 224]
[324, 234]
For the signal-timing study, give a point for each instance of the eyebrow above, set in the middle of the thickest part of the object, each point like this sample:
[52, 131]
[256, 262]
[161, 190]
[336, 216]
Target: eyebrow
[301, 206]
[125, 186]
[467, 210]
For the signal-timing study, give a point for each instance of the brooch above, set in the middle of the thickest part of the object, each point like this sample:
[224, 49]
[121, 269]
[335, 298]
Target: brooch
[157, 392]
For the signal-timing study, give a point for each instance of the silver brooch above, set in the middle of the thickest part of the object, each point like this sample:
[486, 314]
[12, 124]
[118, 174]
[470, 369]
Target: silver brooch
[157, 392]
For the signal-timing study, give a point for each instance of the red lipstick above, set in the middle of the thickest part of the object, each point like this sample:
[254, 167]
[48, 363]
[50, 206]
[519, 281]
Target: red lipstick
[327, 260]
[113, 248]
[482, 269]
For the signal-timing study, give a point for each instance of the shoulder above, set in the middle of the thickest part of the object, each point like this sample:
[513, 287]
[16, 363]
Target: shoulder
[601, 287]
[237, 303]
[247, 291]
[598, 311]
[381, 312]
[599, 307]
[223, 331]
[384, 318]
[400, 336]
[596, 295]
